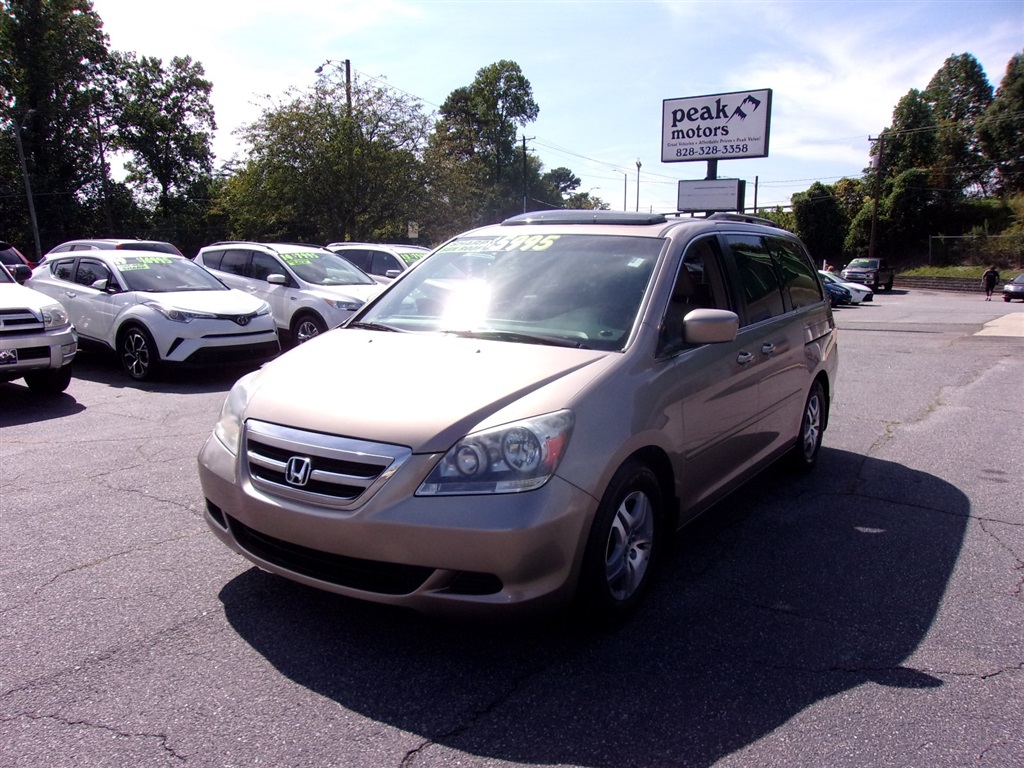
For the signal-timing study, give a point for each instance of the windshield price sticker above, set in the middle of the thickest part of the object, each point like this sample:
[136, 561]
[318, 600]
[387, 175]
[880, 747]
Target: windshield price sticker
[496, 244]
[292, 259]
[140, 262]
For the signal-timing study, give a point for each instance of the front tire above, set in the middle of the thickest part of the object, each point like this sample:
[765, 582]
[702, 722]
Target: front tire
[624, 545]
[812, 429]
[306, 326]
[138, 353]
[49, 382]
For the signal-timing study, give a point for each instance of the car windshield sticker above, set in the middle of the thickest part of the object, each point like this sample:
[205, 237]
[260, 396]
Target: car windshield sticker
[491, 244]
[129, 263]
[305, 257]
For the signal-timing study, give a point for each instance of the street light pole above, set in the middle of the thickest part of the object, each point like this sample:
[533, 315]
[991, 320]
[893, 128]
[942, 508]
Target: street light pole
[28, 185]
[638, 184]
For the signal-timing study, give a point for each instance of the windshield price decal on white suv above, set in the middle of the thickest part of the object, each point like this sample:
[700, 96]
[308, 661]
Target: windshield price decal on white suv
[139, 262]
[292, 259]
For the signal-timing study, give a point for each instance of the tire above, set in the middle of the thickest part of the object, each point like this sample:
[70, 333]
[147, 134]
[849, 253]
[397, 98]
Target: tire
[888, 285]
[624, 545]
[137, 352]
[49, 382]
[306, 326]
[1006, 299]
[804, 455]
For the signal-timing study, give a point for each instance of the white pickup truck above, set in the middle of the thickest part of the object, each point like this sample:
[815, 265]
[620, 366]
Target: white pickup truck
[37, 341]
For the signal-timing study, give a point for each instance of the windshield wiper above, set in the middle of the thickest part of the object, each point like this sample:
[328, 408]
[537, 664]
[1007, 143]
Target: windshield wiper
[372, 327]
[521, 338]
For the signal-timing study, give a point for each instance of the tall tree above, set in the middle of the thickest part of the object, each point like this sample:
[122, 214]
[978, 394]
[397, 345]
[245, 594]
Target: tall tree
[959, 94]
[50, 53]
[1001, 128]
[911, 143]
[165, 123]
[820, 222]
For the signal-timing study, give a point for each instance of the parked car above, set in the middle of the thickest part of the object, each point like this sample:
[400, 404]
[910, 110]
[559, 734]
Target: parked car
[585, 382]
[156, 308]
[1014, 289]
[112, 243]
[310, 289]
[838, 294]
[858, 293]
[37, 341]
[871, 272]
[380, 260]
[18, 263]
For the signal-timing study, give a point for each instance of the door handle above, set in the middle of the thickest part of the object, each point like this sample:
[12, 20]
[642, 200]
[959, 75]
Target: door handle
[767, 348]
[744, 358]
[70, 294]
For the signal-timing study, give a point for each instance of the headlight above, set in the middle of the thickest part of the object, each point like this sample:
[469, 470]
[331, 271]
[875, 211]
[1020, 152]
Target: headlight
[263, 310]
[229, 427]
[178, 315]
[347, 305]
[508, 459]
[54, 316]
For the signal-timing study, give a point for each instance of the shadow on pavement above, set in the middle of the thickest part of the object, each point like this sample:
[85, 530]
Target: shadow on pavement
[790, 592]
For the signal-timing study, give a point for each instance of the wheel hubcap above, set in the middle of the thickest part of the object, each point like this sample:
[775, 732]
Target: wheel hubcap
[307, 331]
[629, 545]
[812, 426]
[136, 354]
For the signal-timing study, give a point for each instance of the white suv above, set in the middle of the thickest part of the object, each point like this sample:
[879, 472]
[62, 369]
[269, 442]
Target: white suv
[309, 289]
[383, 261]
[37, 341]
[529, 413]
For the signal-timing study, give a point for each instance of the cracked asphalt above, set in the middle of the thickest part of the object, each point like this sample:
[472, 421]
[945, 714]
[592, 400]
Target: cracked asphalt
[871, 614]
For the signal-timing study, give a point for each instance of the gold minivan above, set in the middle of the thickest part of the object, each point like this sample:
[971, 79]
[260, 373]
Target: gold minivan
[525, 416]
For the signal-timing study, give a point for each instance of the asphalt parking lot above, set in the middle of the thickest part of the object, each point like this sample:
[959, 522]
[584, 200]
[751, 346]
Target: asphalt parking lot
[870, 614]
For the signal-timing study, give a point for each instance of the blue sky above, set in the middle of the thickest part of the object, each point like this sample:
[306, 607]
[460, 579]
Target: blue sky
[600, 70]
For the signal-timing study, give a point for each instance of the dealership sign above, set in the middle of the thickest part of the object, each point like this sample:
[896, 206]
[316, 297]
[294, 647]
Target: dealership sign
[724, 126]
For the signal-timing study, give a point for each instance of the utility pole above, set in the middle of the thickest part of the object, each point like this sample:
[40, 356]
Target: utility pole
[28, 185]
[638, 184]
[878, 185]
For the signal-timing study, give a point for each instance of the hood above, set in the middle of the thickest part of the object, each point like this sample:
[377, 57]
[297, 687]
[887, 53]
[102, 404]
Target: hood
[418, 390]
[230, 302]
[17, 296]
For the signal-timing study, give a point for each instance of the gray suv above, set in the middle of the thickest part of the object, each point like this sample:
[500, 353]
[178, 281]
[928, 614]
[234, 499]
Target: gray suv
[526, 417]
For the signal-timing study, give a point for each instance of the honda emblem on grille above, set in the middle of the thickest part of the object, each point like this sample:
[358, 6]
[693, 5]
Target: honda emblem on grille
[298, 470]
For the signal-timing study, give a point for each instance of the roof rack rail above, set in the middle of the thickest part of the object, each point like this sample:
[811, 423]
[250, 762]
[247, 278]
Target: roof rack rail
[580, 216]
[747, 219]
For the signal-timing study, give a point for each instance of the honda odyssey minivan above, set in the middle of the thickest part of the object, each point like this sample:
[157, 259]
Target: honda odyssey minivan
[525, 417]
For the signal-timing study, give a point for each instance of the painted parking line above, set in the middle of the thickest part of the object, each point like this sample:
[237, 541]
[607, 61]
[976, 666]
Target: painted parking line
[1007, 325]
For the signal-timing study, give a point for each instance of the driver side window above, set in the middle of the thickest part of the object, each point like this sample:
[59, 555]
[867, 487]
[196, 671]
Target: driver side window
[699, 285]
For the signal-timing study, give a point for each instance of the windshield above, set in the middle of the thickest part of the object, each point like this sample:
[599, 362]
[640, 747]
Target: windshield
[575, 290]
[863, 264]
[1019, 279]
[162, 274]
[325, 268]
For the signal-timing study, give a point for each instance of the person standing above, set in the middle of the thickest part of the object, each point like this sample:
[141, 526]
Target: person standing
[989, 280]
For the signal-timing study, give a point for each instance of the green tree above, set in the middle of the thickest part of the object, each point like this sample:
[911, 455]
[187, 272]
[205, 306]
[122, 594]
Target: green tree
[911, 142]
[820, 222]
[50, 53]
[959, 94]
[165, 123]
[1001, 128]
[340, 163]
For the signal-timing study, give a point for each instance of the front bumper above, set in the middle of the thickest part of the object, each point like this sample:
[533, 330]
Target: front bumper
[38, 351]
[453, 554]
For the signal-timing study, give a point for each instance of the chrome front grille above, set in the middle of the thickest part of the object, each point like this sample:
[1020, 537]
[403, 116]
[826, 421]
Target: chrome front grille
[316, 468]
[15, 322]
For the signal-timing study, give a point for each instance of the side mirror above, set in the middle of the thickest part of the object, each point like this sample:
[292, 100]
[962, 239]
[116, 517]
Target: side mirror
[710, 326]
[277, 279]
[21, 272]
[393, 273]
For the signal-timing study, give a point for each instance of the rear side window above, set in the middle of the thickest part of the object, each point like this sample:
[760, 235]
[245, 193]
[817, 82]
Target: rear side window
[759, 279]
[358, 257]
[798, 275]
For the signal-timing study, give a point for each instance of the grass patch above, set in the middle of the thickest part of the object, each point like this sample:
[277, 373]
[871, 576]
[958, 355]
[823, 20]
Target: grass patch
[968, 272]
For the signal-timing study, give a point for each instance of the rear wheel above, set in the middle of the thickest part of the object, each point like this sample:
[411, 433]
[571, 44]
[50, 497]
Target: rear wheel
[138, 353]
[49, 382]
[306, 326]
[624, 545]
[812, 429]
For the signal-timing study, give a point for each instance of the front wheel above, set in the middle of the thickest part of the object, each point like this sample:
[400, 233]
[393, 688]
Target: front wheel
[138, 353]
[624, 544]
[306, 326]
[49, 382]
[812, 430]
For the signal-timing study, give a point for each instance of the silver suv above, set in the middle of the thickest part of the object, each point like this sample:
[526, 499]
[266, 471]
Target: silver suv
[309, 289]
[528, 415]
[37, 341]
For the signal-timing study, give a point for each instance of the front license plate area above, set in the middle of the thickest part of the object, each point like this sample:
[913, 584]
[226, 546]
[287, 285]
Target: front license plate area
[8, 356]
